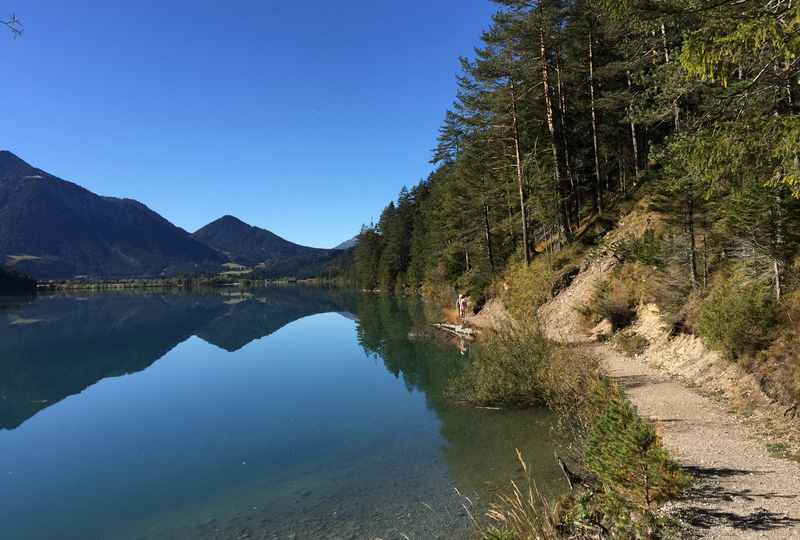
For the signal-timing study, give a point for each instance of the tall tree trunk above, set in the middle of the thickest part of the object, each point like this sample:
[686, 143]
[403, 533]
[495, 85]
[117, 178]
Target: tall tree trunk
[634, 141]
[598, 186]
[488, 233]
[562, 117]
[705, 261]
[692, 255]
[554, 139]
[777, 266]
[676, 109]
[486, 227]
[520, 182]
[510, 209]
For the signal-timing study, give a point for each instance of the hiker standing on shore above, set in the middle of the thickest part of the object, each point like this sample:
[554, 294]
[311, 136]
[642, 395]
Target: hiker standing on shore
[462, 306]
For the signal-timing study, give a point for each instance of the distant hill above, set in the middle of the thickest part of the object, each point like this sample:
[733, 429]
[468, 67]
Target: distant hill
[348, 244]
[51, 228]
[13, 282]
[249, 245]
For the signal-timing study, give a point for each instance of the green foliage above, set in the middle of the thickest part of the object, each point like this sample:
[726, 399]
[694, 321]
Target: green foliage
[724, 157]
[527, 287]
[630, 472]
[613, 301]
[507, 369]
[778, 366]
[736, 316]
[735, 36]
[785, 152]
[646, 249]
[366, 258]
[625, 455]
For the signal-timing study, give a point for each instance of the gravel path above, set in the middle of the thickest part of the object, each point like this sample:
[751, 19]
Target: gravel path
[739, 490]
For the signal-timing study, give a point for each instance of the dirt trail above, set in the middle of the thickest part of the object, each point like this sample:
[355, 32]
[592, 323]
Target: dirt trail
[740, 491]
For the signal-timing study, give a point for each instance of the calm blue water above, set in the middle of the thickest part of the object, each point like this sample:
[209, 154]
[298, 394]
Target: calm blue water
[284, 411]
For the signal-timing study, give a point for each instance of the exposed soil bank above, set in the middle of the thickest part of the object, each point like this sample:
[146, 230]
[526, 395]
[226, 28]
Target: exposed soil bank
[740, 491]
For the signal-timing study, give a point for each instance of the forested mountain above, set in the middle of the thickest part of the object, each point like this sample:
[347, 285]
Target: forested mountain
[570, 106]
[51, 228]
[249, 245]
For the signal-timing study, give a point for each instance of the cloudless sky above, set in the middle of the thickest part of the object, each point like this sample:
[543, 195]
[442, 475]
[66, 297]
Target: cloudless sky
[302, 117]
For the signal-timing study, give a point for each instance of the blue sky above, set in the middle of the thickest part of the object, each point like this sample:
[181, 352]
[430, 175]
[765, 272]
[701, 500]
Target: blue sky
[304, 118]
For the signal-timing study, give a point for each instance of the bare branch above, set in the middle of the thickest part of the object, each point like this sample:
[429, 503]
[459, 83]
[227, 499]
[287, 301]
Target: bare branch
[14, 25]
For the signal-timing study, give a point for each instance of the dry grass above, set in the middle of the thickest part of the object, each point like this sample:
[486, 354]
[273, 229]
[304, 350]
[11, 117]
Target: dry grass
[522, 513]
[525, 288]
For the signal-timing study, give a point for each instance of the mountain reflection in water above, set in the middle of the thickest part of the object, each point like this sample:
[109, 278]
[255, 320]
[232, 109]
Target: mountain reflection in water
[55, 346]
[342, 451]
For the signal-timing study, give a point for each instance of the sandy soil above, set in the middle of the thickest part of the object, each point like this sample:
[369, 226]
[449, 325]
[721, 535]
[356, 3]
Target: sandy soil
[740, 491]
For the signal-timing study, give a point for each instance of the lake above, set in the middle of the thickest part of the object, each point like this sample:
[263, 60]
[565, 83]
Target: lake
[284, 412]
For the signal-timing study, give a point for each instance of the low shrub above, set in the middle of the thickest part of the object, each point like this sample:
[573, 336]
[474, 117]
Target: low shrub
[527, 287]
[627, 475]
[736, 317]
[508, 369]
[778, 366]
[632, 284]
[646, 249]
[614, 302]
[630, 343]
[617, 297]
[625, 455]
[628, 472]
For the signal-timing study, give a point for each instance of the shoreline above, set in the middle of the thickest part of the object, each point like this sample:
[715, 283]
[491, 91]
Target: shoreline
[740, 488]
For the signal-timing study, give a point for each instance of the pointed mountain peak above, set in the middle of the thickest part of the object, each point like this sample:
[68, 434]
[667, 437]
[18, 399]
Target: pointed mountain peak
[228, 219]
[12, 165]
[225, 223]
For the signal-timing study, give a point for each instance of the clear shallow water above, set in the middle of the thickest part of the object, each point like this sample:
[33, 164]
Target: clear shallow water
[287, 411]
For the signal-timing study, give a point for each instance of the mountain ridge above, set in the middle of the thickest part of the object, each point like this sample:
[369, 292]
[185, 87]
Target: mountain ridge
[51, 228]
[247, 244]
[54, 228]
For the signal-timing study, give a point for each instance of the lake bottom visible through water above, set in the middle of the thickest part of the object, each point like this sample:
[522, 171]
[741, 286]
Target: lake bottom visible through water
[284, 412]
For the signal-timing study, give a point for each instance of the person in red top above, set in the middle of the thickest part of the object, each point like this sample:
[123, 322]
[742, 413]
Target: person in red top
[462, 306]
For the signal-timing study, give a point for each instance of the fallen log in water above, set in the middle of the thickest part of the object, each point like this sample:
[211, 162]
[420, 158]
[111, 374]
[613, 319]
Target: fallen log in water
[457, 329]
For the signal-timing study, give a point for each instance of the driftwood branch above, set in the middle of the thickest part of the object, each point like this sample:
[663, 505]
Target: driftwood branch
[457, 329]
[573, 479]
